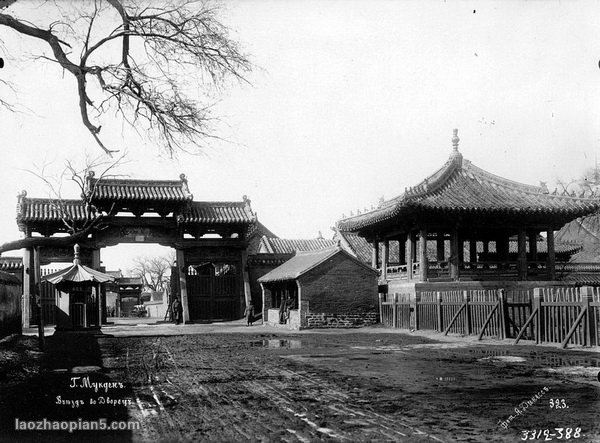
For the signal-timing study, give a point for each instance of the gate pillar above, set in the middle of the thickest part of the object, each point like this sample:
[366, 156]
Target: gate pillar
[183, 284]
[27, 287]
[246, 278]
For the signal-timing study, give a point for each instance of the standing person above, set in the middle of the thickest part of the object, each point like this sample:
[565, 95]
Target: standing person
[177, 310]
[249, 314]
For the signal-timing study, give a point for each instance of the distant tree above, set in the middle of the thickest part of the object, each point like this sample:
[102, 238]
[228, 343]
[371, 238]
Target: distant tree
[145, 61]
[154, 271]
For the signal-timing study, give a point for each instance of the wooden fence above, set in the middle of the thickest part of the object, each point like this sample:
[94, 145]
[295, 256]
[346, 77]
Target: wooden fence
[547, 315]
[49, 296]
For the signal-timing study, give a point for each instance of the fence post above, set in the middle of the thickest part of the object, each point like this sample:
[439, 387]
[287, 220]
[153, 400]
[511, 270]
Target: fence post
[413, 313]
[380, 307]
[395, 311]
[587, 297]
[538, 297]
[468, 311]
[502, 311]
[439, 312]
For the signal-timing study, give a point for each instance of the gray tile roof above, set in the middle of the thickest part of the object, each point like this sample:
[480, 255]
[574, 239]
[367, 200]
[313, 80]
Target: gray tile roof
[303, 262]
[461, 187]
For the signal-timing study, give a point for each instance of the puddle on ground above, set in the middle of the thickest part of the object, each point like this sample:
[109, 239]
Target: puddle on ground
[556, 361]
[579, 371]
[85, 369]
[504, 359]
[277, 344]
[548, 360]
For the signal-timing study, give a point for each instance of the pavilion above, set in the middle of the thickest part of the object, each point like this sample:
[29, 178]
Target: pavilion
[470, 215]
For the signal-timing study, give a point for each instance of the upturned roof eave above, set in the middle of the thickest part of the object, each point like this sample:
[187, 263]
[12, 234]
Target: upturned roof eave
[409, 208]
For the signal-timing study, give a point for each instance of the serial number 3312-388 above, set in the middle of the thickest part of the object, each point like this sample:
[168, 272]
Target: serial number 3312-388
[551, 434]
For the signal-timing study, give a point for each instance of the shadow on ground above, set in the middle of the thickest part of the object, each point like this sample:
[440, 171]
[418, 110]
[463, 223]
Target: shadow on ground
[66, 384]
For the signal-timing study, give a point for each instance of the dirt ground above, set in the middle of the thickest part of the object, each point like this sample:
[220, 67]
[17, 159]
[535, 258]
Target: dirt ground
[260, 385]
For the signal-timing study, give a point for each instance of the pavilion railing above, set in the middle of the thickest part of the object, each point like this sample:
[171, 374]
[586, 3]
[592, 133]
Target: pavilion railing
[494, 270]
[555, 315]
[401, 271]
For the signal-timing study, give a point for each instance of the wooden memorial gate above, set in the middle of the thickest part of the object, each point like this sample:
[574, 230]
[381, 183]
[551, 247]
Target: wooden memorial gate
[210, 241]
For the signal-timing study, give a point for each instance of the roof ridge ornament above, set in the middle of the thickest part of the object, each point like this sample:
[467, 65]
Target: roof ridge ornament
[76, 254]
[455, 140]
[455, 155]
[184, 186]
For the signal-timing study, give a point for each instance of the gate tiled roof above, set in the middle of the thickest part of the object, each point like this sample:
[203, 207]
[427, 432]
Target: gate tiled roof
[31, 210]
[218, 212]
[140, 190]
[461, 187]
[11, 263]
[289, 246]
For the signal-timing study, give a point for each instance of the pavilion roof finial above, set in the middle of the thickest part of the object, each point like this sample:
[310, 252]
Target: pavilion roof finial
[76, 256]
[455, 140]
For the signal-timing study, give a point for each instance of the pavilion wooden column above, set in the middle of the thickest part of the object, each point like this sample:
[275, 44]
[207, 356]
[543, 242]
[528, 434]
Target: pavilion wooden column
[410, 245]
[375, 254]
[522, 254]
[182, 284]
[533, 253]
[502, 248]
[454, 255]
[472, 250]
[402, 250]
[385, 257]
[551, 257]
[423, 254]
[439, 246]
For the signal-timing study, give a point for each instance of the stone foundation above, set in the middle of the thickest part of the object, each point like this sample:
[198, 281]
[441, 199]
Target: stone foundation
[314, 320]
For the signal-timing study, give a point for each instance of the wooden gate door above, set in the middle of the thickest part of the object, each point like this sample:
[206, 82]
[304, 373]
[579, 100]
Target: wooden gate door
[213, 291]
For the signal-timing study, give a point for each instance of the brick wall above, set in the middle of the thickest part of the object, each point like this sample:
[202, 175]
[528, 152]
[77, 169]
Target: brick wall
[340, 286]
[340, 320]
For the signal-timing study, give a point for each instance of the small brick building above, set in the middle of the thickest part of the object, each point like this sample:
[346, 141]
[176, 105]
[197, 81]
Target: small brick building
[324, 288]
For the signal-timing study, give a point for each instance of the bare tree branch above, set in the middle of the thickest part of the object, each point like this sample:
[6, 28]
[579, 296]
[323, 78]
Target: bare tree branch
[164, 54]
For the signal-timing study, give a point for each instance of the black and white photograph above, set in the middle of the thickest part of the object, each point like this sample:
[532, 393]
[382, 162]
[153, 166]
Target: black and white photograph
[299, 221]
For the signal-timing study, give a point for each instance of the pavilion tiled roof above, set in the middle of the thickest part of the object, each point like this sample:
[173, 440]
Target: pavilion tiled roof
[361, 248]
[303, 262]
[140, 190]
[218, 212]
[289, 246]
[461, 187]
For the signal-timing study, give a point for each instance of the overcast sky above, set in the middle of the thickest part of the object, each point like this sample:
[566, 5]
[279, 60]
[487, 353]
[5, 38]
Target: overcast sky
[351, 101]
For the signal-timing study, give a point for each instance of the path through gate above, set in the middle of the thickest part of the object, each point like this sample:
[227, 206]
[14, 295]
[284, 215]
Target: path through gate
[213, 291]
